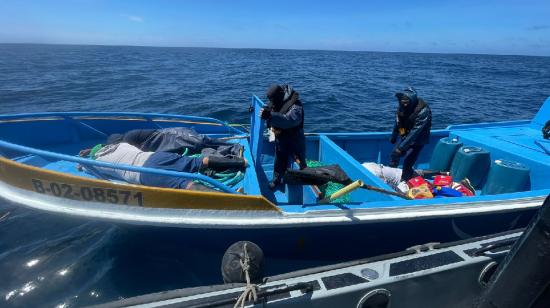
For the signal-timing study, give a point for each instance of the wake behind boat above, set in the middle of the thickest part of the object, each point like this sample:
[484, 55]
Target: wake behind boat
[39, 169]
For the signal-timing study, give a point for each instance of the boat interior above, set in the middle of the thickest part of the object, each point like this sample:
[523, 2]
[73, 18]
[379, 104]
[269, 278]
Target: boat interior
[494, 154]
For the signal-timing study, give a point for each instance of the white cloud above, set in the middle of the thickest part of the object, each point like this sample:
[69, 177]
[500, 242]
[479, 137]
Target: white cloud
[133, 18]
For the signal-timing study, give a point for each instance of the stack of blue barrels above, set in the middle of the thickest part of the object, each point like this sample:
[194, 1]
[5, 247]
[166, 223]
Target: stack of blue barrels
[474, 163]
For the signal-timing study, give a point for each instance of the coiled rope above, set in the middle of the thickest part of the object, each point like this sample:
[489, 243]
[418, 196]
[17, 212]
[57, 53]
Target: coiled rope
[250, 292]
[226, 177]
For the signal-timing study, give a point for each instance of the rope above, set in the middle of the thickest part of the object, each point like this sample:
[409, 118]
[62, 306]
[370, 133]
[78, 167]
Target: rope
[250, 292]
[229, 178]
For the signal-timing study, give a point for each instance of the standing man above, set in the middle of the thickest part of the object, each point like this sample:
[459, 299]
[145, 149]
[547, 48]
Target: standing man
[285, 117]
[412, 123]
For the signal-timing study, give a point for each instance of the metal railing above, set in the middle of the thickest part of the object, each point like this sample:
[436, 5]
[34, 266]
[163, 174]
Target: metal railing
[89, 162]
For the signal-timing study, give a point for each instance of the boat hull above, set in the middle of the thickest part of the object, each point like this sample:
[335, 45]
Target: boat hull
[448, 275]
[339, 242]
[343, 234]
[40, 171]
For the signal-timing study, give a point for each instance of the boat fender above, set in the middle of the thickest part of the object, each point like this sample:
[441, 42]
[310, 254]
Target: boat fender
[232, 270]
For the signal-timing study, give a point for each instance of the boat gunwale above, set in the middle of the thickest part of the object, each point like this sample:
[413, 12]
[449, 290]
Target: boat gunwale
[316, 273]
[224, 219]
[420, 207]
[392, 212]
[112, 115]
[90, 162]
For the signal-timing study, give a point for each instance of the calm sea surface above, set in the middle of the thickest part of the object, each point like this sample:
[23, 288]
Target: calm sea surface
[47, 260]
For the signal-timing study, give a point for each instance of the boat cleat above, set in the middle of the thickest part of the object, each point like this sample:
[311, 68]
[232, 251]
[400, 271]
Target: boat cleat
[423, 247]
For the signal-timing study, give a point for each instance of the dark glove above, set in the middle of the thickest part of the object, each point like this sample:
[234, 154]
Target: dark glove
[393, 139]
[265, 114]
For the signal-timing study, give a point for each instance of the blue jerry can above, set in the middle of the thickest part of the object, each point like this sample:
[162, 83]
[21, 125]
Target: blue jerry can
[507, 176]
[472, 163]
[443, 154]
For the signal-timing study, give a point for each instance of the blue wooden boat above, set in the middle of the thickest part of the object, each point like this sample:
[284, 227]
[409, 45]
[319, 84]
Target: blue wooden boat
[38, 169]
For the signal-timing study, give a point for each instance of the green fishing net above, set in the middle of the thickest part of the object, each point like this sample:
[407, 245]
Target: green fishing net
[330, 187]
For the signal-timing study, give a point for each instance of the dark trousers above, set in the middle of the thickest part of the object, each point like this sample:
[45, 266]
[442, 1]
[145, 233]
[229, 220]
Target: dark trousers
[285, 149]
[411, 155]
[170, 162]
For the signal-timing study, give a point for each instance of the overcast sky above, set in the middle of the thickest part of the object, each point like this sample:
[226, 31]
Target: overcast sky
[493, 27]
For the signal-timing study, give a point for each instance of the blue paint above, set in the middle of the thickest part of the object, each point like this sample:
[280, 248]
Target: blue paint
[257, 129]
[330, 153]
[55, 136]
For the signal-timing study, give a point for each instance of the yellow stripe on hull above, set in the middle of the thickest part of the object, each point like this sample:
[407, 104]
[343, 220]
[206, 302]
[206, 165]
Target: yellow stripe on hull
[85, 189]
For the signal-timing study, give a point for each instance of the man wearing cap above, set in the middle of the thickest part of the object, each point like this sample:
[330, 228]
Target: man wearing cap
[285, 117]
[412, 125]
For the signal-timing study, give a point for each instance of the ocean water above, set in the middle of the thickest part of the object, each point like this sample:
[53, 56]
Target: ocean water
[48, 260]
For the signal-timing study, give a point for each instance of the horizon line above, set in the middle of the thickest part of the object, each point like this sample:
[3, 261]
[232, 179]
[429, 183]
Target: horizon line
[283, 49]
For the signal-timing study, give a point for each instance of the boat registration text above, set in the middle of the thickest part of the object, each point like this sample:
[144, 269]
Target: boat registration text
[87, 193]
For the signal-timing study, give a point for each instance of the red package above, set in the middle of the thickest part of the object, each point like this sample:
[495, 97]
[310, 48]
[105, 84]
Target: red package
[443, 180]
[415, 182]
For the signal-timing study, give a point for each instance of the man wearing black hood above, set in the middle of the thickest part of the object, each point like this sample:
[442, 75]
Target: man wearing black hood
[285, 116]
[413, 123]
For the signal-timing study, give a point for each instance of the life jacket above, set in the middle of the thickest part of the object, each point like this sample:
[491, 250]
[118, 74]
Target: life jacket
[420, 192]
[406, 122]
[291, 99]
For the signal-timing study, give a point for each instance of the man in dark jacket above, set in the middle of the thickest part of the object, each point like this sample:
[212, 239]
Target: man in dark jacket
[412, 124]
[285, 117]
[176, 140]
